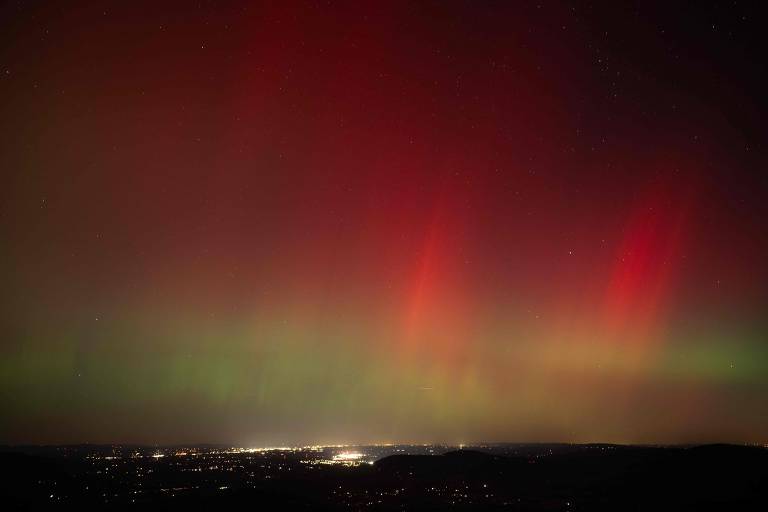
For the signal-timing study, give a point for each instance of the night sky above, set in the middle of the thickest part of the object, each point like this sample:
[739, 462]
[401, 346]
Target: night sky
[288, 223]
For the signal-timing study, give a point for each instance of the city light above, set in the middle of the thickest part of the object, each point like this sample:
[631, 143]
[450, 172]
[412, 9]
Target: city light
[348, 456]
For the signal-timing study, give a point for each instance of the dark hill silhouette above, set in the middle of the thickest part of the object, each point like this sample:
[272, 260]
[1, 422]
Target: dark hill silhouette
[605, 476]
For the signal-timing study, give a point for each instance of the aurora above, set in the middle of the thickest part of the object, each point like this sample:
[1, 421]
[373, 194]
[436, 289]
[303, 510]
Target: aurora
[281, 224]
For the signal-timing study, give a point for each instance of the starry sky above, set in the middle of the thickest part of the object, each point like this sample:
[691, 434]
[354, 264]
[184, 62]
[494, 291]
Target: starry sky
[280, 223]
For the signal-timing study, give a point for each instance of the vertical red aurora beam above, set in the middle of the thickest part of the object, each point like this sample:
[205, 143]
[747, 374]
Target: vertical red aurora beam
[647, 263]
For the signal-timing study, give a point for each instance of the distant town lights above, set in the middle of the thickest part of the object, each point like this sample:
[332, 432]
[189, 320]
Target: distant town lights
[348, 456]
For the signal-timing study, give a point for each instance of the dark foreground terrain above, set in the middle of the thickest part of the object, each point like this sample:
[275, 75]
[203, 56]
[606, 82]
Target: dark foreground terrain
[494, 477]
